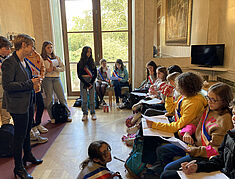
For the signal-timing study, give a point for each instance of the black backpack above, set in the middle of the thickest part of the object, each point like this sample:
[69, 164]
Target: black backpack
[6, 140]
[78, 102]
[59, 112]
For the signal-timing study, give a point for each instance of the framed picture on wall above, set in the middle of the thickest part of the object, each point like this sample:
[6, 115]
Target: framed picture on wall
[178, 22]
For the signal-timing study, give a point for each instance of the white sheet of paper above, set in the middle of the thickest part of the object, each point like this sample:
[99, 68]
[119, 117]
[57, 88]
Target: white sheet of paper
[55, 62]
[152, 101]
[203, 175]
[154, 132]
[177, 142]
[113, 78]
[139, 94]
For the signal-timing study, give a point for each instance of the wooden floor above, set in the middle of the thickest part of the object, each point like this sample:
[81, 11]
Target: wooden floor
[70, 148]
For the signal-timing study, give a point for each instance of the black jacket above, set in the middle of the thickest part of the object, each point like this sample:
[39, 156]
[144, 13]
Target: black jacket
[225, 161]
[81, 71]
[17, 85]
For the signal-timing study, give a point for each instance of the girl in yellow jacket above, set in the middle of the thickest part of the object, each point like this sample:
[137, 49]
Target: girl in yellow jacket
[189, 104]
[186, 108]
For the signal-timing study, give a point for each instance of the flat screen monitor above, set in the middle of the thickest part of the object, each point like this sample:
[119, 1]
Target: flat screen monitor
[207, 55]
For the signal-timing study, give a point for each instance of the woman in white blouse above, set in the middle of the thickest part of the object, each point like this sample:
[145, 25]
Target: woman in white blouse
[51, 82]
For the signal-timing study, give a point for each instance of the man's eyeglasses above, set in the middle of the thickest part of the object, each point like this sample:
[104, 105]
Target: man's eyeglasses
[212, 99]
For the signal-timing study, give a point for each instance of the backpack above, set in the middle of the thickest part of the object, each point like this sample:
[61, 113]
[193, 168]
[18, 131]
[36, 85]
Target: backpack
[126, 100]
[135, 99]
[6, 140]
[59, 112]
[134, 164]
[78, 102]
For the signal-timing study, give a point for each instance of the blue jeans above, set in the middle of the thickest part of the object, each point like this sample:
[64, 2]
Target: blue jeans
[165, 155]
[84, 93]
[50, 85]
[175, 165]
[118, 88]
[170, 170]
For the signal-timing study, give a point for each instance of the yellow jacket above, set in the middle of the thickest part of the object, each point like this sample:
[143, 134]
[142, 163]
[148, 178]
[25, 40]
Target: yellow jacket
[190, 108]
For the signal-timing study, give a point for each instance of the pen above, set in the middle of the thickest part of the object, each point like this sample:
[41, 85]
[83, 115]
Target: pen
[191, 162]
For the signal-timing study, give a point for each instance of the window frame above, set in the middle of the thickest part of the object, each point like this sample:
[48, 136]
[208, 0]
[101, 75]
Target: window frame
[97, 33]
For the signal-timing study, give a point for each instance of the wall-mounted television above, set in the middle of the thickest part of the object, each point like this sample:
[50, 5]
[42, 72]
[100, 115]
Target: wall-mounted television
[207, 55]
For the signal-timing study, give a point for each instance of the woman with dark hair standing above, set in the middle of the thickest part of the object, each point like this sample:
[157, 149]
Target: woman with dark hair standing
[51, 82]
[87, 73]
[99, 154]
[120, 79]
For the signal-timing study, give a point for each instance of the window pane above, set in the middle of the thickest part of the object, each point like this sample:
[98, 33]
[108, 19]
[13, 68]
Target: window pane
[79, 15]
[115, 45]
[114, 15]
[76, 41]
[75, 82]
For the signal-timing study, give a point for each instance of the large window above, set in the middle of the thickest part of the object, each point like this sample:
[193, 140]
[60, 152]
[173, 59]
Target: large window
[103, 25]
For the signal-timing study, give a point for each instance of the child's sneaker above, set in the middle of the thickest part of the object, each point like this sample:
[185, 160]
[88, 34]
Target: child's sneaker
[136, 117]
[69, 119]
[84, 117]
[137, 106]
[133, 129]
[93, 117]
[42, 129]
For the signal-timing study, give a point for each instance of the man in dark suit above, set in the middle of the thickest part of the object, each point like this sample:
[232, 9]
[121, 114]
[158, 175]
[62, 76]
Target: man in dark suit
[18, 82]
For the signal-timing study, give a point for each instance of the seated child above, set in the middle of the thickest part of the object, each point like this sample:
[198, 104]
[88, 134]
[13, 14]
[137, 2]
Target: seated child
[150, 78]
[225, 161]
[156, 109]
[99, 153]
[189, 104]
[208, 130]
[103, 80]
[119, 79]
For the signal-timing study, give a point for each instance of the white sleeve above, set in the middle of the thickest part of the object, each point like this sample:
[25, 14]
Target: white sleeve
[108, 73]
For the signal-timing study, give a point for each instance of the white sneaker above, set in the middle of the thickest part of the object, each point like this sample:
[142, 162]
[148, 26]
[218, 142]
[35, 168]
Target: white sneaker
[39, 140]
[93, 117]
[133, 129]
[69, 119]
[136, 106]
[136, 117]
[32, 135]
[84, 117]
[42, 129]
[35, 130]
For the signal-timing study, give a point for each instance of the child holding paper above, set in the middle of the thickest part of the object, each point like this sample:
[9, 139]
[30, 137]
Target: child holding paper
[188, 105]
[103, 80]
[225, 161]
[52, 83]
[119, 79]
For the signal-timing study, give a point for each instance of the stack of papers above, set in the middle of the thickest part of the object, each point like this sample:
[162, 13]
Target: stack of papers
[203, 175]
[154, 132]
[152, 101]
[55, 62]
[139, 94]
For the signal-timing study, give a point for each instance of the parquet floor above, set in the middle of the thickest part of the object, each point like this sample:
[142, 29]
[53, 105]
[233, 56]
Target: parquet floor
[70, 148]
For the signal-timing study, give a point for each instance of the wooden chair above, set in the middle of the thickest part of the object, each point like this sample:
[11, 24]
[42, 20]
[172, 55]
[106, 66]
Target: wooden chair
[110, 92]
